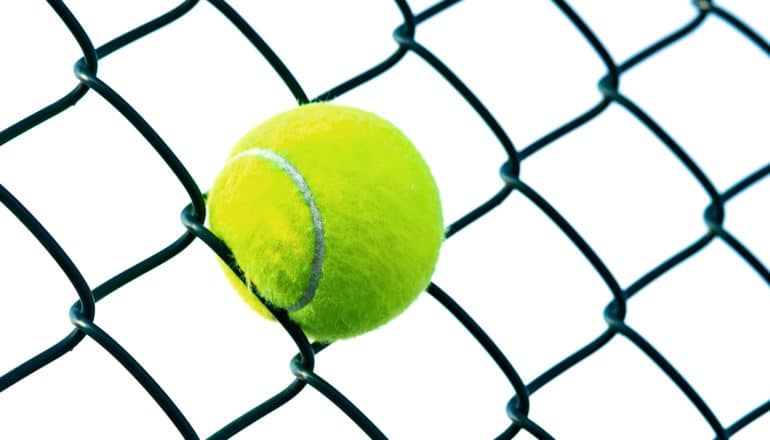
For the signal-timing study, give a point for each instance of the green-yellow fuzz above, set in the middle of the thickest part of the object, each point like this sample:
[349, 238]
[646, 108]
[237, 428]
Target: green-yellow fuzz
[380, 207]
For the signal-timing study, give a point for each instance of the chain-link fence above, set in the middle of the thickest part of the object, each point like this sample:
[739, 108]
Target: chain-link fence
[82, 313]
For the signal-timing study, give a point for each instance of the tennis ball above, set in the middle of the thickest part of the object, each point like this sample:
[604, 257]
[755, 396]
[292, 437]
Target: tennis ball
[332, 215]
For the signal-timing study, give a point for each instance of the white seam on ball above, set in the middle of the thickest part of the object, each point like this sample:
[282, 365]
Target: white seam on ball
[318, 229]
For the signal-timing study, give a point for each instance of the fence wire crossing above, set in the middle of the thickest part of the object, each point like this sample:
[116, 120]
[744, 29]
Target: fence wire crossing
[518, 407]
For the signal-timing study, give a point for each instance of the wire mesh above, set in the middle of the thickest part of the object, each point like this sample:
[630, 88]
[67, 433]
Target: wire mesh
[82, 313]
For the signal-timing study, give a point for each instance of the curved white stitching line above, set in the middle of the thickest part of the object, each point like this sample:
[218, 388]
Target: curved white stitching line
[318, 229]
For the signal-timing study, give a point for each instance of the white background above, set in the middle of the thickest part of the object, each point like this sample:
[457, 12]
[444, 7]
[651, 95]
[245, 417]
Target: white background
[100, 189]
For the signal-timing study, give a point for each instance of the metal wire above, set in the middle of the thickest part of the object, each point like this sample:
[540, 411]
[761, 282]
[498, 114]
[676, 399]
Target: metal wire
[303, 365]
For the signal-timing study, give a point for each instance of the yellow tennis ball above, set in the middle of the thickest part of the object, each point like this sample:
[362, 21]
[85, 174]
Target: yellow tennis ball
[331, 214]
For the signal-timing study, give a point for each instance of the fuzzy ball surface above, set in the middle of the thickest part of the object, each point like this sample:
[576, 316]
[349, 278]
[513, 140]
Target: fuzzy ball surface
[331, 214]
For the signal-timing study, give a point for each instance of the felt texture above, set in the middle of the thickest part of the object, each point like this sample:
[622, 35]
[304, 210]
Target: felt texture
[381, 212]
